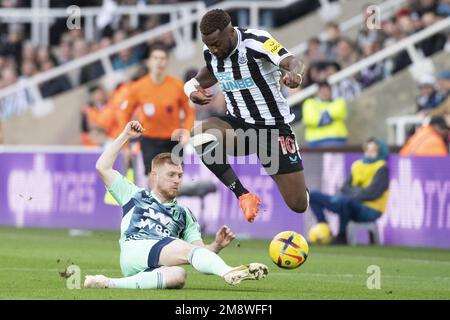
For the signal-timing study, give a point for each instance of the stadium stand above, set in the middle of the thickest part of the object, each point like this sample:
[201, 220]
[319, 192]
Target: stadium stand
[329, 55]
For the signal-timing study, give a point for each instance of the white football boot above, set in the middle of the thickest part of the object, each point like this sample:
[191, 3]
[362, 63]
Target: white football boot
[96, 282]
[252, 271]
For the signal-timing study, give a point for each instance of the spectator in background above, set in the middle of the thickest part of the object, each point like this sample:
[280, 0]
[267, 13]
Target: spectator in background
[314, 52]
[126, 57]
[426, 6]
[324, 119]
[91, 71]
[367, 34]
[430, 140]
[18, 101]
[28, 69]
[56, 85]
[64, 53]
[99, 136]
[444, 97]
[365, 193]
[13, 45]
[443, 78]
[28, 52]
[332, 35]
[436, 42]
[393, 34]
[374, 72]
[91, 113]
[428, 98]
[346, 53]
[42, 56]
[443, 8]
[347, 88]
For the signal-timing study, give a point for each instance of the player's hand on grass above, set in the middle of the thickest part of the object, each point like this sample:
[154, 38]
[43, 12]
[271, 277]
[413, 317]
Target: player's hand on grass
[224, 237]
[134, 129]
[292, 80]
[201, 96]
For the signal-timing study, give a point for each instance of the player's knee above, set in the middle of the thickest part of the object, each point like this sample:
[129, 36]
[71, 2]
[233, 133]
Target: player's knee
[177, 278]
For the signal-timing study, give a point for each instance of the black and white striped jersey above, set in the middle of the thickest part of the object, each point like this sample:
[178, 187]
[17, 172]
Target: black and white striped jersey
[250, 78]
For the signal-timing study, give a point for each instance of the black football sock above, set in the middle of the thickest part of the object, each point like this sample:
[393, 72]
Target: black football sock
[220, 166]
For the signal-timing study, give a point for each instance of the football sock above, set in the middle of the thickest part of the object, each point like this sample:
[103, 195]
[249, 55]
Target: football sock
[214, 157]
[142, 280]
[208, 262]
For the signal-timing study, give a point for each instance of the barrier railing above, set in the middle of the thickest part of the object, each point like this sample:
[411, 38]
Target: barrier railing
[31, 84]
[405, 44]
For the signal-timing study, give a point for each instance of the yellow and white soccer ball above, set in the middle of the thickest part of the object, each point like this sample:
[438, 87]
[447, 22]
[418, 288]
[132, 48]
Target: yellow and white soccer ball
[288, 249]
[320, 234]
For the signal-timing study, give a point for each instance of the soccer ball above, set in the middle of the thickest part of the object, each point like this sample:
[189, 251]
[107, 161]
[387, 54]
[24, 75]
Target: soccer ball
[320, 234]
[288, 250]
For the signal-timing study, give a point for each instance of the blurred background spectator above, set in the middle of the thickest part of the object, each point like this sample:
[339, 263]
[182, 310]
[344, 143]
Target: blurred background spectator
[364, 195]
[324, 119]
[428, 98]
[431, 140]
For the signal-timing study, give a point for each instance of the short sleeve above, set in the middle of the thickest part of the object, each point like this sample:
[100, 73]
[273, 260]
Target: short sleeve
[123, 190]
[191, 232]
[263, 42]
[208, 58]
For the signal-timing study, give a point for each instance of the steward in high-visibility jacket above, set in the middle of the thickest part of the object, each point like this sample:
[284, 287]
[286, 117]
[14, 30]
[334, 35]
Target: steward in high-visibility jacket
[365, 193]
[429, 141]
[324, 119]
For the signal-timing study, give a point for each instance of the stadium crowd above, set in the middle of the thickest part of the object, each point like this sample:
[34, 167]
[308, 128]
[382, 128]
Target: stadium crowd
[20, 59]
[337, 51]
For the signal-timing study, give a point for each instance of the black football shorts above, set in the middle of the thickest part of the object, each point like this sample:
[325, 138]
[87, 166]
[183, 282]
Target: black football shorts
[276, 146]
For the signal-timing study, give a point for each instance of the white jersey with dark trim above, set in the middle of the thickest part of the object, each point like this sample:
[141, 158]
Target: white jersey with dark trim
[250, 78]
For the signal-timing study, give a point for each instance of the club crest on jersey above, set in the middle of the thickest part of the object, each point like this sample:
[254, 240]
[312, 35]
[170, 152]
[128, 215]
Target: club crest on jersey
[242, 58]
[149, 109]
[176, 214]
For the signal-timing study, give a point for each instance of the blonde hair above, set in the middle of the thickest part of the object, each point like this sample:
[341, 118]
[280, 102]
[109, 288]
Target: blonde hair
[165, 157]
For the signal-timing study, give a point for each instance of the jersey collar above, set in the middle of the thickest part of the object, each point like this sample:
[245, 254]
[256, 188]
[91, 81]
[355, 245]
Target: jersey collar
[239, 38]
[171, 203]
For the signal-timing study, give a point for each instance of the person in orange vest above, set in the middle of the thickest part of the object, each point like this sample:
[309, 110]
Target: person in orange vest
[429, 141]
[91, 113]
[159, 100]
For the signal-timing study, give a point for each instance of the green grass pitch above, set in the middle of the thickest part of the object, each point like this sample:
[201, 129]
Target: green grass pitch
[29, 269]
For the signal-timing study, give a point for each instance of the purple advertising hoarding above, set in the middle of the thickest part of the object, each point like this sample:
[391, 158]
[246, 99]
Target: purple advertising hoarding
[62, 190]
[418, 211]
[53, 190]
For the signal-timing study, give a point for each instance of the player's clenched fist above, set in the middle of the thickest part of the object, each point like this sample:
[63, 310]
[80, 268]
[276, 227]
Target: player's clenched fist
[133, 129]
[292, 80]
[201, 96]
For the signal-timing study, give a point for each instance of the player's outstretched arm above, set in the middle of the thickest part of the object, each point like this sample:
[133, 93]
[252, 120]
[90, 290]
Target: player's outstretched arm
[223, 238]
[104, 165]
[295, 69]
[195, 88]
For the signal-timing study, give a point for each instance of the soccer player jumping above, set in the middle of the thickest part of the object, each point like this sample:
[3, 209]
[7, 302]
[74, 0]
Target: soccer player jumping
[249, 66]
[157, 233]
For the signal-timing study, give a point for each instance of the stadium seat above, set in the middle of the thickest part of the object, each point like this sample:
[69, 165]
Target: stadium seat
[354, 227]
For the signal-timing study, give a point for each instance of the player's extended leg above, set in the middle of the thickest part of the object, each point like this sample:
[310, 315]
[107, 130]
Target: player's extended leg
[280, 156]
[293, 189]
[179, 252]
[210, 142]
[160, 278]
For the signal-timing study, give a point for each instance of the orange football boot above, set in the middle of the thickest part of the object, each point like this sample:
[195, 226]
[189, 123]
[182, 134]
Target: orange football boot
[249, 204]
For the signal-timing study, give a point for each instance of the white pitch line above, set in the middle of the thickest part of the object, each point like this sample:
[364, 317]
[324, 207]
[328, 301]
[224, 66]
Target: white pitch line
[306, 274]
